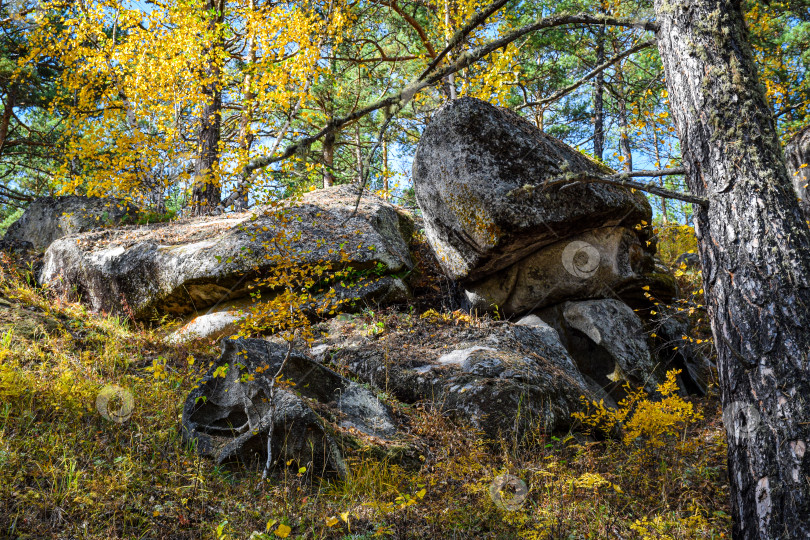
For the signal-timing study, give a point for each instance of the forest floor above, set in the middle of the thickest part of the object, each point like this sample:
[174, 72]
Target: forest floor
[68, 472]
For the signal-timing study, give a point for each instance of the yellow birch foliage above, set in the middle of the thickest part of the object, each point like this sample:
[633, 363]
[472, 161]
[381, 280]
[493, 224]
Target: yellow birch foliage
[640, 418]
[134, 79]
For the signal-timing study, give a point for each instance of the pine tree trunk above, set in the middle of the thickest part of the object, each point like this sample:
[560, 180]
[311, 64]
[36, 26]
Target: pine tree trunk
[328, 153]
[598, 98]
[755, 251]
[624, 125]
[246, 136]
[206, 191]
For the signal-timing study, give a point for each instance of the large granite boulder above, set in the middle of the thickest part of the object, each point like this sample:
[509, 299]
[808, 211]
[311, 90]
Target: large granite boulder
[500, 377]
[479, 175]
[49, 218]
[183, 267]
[230, 416]
[797, 158]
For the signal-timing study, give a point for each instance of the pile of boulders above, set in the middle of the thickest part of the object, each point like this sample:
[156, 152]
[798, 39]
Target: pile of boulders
[514, 220]
[562, 264]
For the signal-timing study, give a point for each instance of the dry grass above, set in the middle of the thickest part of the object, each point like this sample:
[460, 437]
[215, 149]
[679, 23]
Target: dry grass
[67, 472]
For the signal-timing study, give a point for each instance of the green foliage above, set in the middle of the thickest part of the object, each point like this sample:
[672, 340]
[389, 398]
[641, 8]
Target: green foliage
[10, 218]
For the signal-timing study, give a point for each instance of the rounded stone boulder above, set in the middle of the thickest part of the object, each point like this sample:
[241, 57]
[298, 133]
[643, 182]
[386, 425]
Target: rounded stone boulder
[480, 175]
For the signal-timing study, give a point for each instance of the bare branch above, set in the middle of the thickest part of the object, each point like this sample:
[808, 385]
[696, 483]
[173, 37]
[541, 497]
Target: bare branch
[463, 32]
[270, 391]
[593, 73]
[623, 180]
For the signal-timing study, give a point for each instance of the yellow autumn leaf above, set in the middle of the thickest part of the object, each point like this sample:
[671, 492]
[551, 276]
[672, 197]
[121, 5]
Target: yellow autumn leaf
[283, 531]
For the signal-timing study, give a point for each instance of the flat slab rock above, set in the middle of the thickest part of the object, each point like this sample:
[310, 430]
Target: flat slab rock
[230, 417]
[186, 266]
[49, 218]
[502, 377]
[470, 172]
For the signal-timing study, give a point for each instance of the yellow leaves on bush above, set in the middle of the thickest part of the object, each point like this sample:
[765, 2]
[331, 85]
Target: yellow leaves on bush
[158, 369]
[590, 480]
[640, 418]
[668, 528]
[673, 240]
[458, 317]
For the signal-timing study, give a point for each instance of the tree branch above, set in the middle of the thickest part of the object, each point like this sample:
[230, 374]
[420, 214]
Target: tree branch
[413, 23]
[463, 32]
[593, 73]
[462, 61]
[623, 180]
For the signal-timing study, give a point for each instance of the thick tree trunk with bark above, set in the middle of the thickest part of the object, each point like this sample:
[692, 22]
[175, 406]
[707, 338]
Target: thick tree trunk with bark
[797, 157]
[206, 191]
[755, 250]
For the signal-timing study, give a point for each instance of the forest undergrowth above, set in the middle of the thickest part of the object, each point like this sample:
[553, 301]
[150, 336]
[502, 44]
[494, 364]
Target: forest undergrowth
[67, 471]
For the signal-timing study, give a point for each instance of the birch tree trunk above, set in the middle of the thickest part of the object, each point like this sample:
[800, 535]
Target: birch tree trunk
[755, 250]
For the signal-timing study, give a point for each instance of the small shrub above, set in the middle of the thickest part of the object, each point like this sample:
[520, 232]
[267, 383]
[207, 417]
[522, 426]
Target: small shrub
[639, 418]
